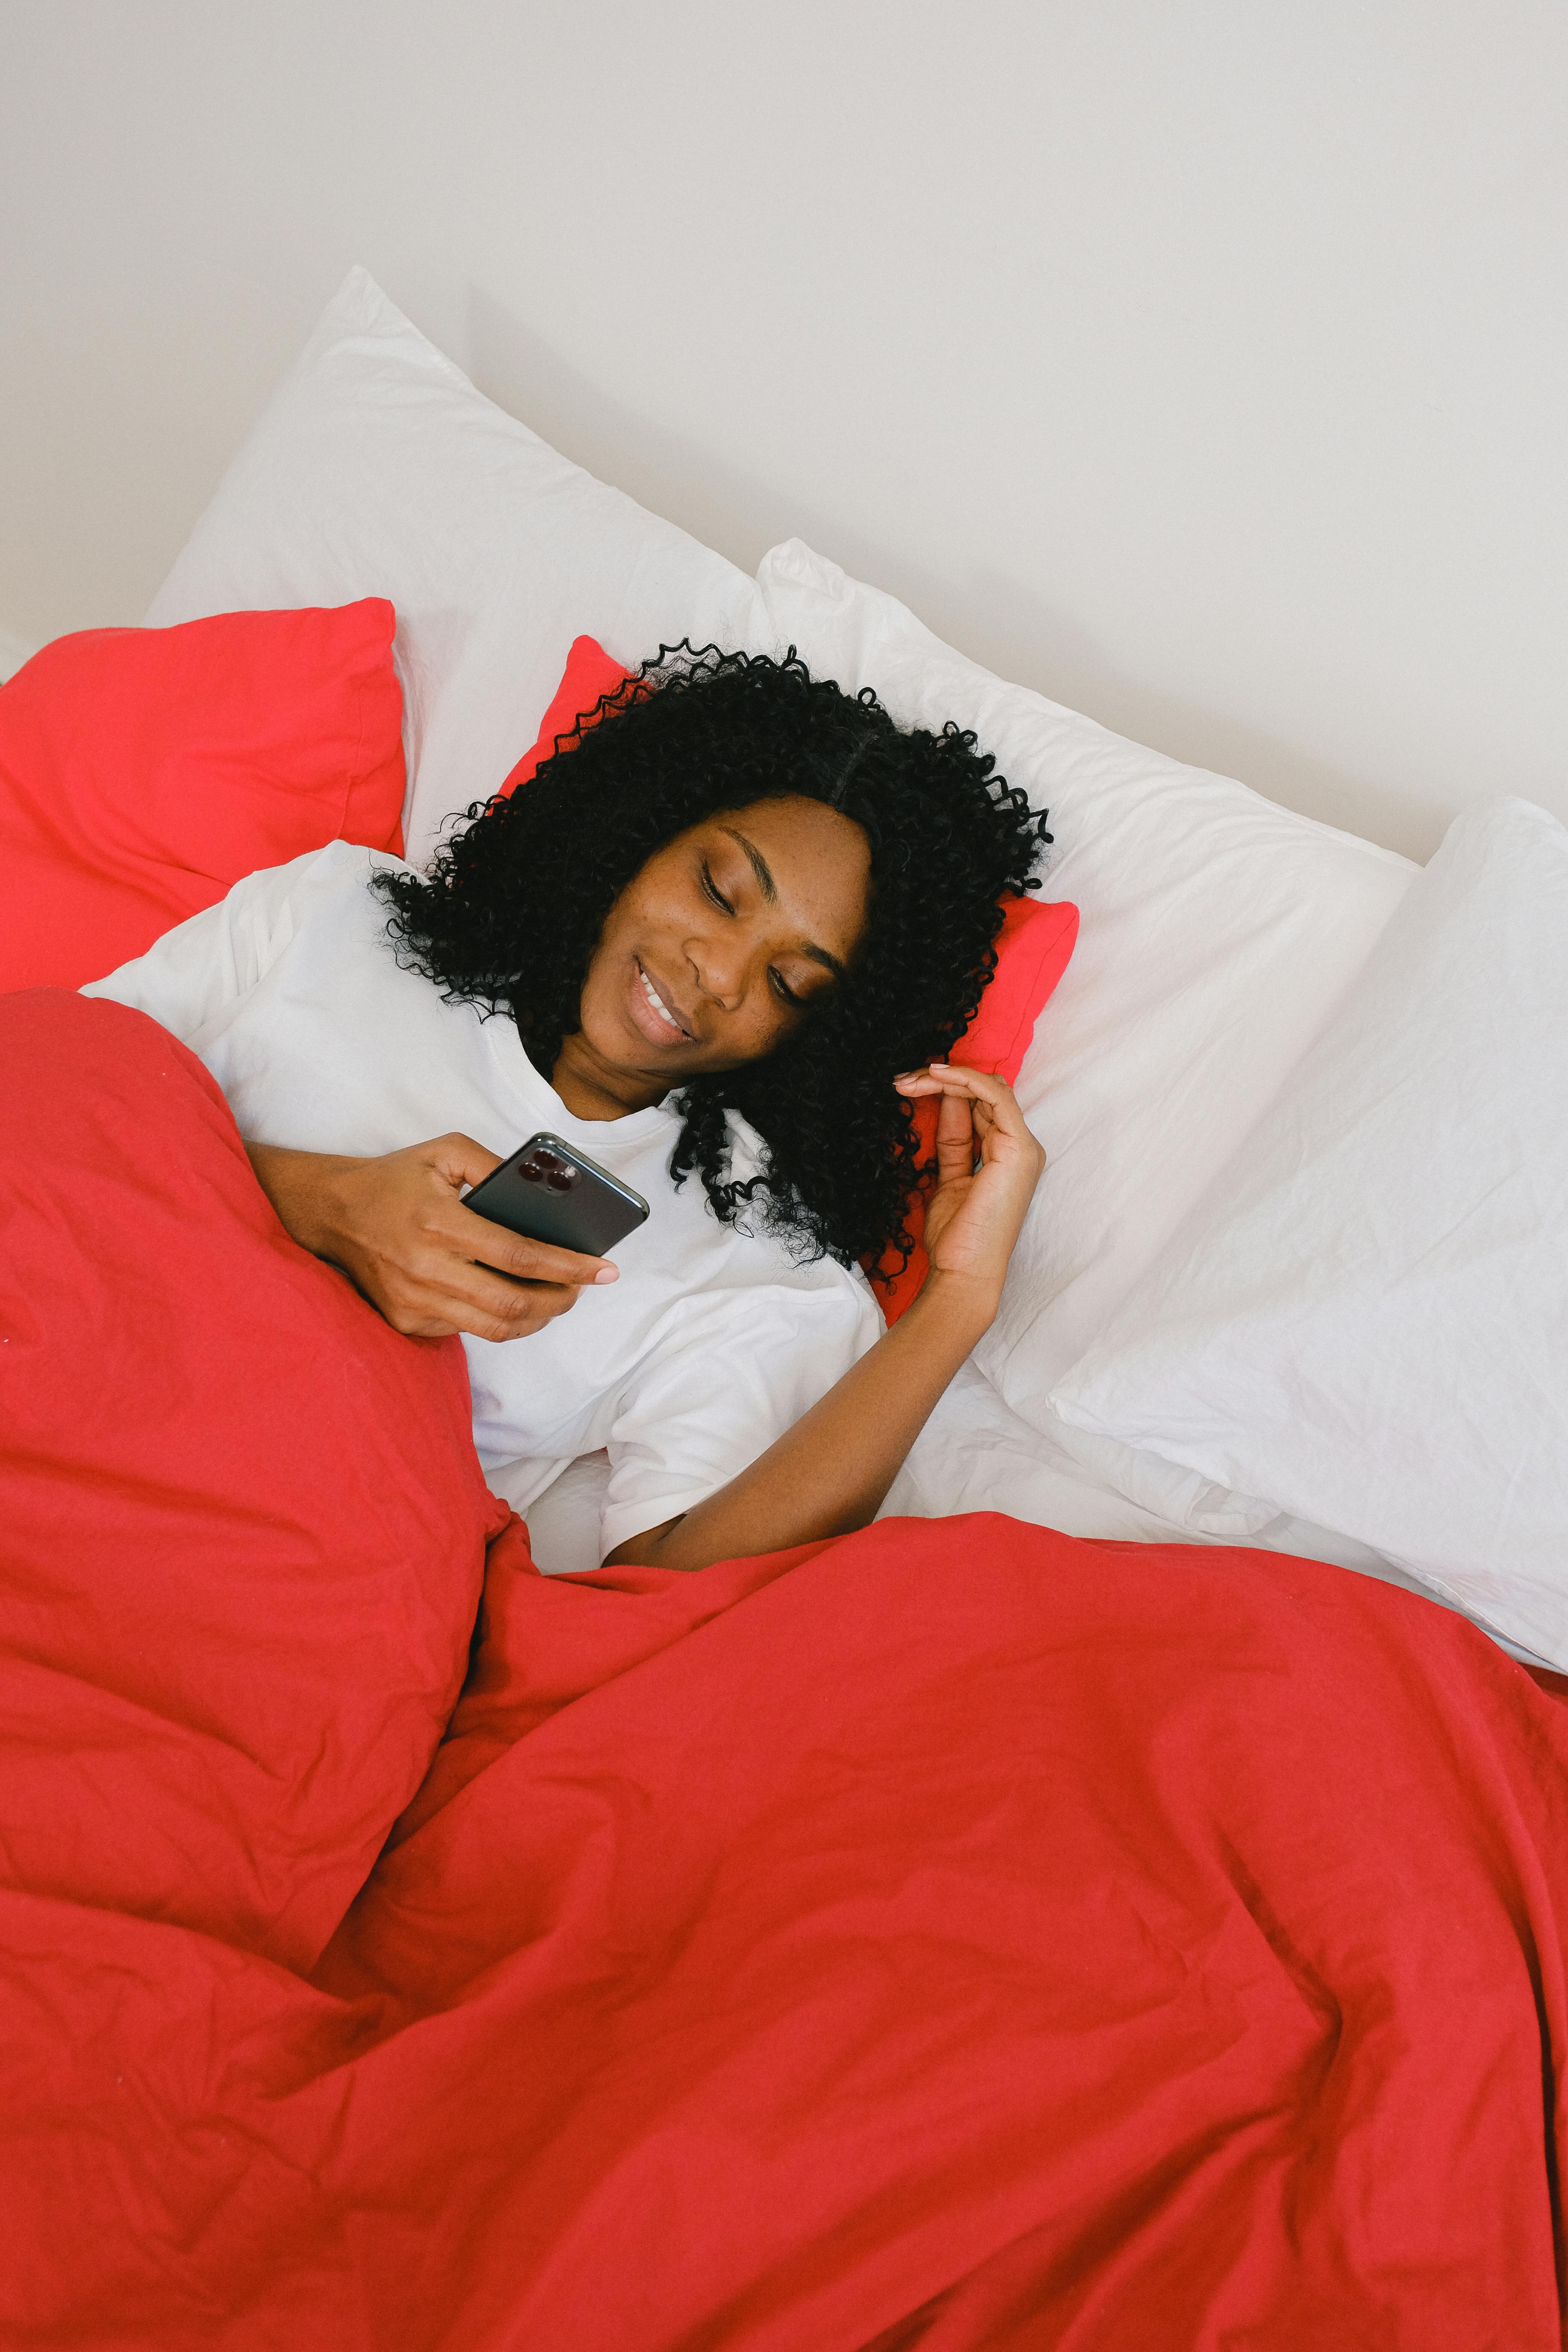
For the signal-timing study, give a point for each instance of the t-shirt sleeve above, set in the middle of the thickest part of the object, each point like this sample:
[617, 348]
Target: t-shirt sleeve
[199, 970]
[728, 1372]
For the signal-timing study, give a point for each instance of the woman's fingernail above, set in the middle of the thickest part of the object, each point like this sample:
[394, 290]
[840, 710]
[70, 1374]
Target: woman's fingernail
[608, 1274]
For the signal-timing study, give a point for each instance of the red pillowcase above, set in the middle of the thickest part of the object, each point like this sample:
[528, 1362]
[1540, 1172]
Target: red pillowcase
[1032, 953]
[589, 674]
[143, 772]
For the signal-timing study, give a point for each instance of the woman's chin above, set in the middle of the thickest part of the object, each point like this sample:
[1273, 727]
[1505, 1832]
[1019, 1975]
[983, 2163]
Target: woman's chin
[624, 1048]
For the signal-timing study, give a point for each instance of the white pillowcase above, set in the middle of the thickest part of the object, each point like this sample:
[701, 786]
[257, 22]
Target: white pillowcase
[378, 470]
[1367, 1319]
[1220, 933]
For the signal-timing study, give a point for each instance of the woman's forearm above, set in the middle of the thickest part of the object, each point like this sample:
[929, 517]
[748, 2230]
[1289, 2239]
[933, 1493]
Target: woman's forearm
[300, 1187]
[831, 1472]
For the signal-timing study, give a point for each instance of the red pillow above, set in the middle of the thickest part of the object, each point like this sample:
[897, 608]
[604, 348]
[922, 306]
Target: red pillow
[143, 772]
[590, 673]
[1032, 953]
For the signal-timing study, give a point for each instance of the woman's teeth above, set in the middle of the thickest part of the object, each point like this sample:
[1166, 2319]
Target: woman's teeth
[657, 1001]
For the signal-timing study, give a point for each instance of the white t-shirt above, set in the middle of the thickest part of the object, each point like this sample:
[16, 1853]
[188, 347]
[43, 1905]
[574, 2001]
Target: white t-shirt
[711, 1345]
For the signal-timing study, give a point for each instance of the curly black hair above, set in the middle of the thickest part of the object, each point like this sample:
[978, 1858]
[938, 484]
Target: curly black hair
[516, 900]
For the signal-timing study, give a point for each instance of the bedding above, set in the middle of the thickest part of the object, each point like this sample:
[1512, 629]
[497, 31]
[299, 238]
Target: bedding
[1219, 933]
[589, 675]
[958, 1936]
[143, 770]
[378, 470]
[242, 1526]
[974, 1454]
[964, 1935]
[1367, 1319]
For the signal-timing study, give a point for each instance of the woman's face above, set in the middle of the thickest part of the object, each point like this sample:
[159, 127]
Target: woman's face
[716, 951]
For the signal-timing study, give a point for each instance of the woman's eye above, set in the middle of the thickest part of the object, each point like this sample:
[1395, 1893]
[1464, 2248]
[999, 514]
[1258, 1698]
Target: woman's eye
[784, 991]
[711, 888]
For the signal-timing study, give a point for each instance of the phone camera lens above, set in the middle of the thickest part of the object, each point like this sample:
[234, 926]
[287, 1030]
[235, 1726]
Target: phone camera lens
[544, 1166]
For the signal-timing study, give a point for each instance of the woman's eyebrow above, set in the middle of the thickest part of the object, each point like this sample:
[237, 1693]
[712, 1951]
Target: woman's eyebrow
[759, 866]
[769, 891]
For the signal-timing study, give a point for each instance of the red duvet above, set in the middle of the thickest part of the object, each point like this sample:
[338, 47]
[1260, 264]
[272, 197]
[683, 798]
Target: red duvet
[955, 1937]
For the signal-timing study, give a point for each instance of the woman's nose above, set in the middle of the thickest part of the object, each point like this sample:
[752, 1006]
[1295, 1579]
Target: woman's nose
[719, 967]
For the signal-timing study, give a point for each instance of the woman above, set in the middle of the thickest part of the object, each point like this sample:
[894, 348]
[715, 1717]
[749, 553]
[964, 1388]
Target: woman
[716, 941]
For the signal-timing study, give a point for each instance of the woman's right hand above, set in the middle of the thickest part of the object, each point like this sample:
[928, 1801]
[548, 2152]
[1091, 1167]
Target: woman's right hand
[398, 1228]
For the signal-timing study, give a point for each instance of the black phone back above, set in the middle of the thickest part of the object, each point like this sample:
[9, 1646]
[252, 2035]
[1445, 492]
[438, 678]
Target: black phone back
[550, 1191]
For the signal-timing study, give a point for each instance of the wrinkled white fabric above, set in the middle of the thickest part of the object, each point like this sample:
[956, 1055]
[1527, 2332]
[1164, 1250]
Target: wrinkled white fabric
[1218, 935]
[1366, 1319]
[376, 470]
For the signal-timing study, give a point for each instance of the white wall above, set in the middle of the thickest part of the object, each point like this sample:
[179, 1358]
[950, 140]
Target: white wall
[1202, 361]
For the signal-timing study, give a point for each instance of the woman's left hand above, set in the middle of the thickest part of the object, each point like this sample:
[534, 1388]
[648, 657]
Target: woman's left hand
[987, 1165]
[832, 1471]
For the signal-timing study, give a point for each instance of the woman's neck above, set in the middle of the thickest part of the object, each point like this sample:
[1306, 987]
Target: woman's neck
[594, 1090]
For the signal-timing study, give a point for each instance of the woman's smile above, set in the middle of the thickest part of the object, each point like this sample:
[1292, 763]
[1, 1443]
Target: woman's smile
[653, 1013]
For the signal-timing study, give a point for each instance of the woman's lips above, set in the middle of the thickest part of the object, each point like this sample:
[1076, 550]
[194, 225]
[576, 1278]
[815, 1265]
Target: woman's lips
[650, 1014]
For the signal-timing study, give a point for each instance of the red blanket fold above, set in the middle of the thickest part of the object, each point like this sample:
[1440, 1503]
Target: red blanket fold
[956, 1937]
[241, 1523]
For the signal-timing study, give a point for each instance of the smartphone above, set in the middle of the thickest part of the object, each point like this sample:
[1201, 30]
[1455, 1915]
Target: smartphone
[550, 1191]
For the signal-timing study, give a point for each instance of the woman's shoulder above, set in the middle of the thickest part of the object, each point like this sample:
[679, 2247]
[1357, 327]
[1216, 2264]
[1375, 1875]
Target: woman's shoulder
[339, 869]
[752, 1254]
[350, 865]
[332, 886]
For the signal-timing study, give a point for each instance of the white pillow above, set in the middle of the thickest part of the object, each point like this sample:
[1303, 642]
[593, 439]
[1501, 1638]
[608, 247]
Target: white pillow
[377, 470]
[1219, 935]
[1367, 1319]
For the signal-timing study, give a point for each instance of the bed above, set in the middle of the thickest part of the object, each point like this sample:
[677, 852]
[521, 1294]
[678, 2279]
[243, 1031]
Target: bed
[1115, 1900]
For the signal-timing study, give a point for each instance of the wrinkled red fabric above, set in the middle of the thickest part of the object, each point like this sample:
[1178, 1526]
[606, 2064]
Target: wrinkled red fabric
[242, 1525]
[955, 1937]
